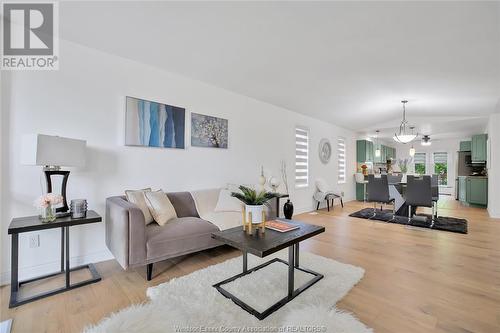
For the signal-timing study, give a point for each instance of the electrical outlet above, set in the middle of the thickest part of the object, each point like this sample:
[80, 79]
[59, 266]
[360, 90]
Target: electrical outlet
[34, 241]
[342, 193]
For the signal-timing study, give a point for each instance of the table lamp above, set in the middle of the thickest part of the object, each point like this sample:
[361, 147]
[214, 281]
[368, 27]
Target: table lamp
[53, 152]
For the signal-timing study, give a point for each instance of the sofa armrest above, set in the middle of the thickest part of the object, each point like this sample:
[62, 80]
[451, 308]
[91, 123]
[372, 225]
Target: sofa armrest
[125, 232]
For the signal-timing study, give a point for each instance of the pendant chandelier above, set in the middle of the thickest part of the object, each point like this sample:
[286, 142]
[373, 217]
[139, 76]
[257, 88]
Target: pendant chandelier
[405, 134]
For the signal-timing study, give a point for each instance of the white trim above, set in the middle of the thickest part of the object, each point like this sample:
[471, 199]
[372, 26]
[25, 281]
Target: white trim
[54, 266]
[493, 213]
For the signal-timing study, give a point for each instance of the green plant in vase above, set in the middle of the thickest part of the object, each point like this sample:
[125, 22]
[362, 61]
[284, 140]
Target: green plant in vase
[254, 201]
[403, 164]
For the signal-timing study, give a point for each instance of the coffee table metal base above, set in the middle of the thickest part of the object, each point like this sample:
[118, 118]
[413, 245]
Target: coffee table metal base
[293, 263]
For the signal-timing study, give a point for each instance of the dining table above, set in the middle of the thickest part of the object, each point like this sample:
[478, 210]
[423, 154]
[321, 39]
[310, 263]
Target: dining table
[397, 192]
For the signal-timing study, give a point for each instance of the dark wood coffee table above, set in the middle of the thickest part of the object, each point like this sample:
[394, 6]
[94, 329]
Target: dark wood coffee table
[263, 245]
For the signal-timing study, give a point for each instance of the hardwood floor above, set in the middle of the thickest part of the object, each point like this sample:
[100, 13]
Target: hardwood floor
[416, 280]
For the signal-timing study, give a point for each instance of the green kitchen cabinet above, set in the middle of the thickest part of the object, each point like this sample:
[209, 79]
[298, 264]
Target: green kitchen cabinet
[370, 151]
[360, 192]
[364, 151]
[391, 153]
[462, 189]
[383, 153]
[479, 148]
[465, 145]
[477, 190]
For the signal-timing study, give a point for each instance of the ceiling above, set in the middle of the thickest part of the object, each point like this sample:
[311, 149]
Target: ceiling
[348, 63]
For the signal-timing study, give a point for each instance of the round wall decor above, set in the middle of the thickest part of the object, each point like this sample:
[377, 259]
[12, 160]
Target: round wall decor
[325, 151]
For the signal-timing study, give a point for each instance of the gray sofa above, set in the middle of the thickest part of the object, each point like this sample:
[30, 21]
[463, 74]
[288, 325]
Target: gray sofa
[135, 244]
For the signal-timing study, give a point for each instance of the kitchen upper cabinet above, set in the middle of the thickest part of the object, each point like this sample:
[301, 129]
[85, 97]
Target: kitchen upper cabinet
[477, 190]
[370, 151]
[391, 153]
[465, 145]
[479, 148]
[364, 151]
[383, 153]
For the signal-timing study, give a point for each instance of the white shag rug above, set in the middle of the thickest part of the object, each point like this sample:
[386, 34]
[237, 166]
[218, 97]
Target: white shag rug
[191, 304]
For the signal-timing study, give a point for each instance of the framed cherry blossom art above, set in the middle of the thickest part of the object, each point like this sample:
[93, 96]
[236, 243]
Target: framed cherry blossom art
[208, 131]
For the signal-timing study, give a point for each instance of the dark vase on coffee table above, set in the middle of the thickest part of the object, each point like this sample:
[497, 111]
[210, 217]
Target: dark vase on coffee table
[288, 209]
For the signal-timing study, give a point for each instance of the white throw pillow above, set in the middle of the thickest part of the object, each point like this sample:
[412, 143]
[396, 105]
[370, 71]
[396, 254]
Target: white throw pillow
[137, 197]
[227, 203]
[160, 207]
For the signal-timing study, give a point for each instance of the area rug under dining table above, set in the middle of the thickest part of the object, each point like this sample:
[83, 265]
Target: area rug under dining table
[191, 304]
[444, 223]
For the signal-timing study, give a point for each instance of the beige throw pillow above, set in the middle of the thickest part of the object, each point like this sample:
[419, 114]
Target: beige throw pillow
[137, 197]
[160, 207]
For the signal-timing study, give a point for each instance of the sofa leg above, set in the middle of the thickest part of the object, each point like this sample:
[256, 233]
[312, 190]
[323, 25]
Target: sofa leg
[149, 271]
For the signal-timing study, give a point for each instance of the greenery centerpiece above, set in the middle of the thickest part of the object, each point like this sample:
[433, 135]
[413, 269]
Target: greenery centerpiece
[254, 201]
[403, 164]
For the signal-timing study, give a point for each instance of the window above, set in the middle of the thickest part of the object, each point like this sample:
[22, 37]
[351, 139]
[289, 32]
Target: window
[301, 157]
[419, 159]
[441, 167]
[341, 152]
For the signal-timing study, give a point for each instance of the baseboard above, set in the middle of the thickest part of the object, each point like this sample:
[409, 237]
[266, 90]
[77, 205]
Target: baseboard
[493, 214]
[33, 271]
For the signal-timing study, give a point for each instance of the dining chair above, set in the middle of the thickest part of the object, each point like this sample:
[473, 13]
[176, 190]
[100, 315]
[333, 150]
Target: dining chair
[435, 191]
[419, 193]
[378, 193]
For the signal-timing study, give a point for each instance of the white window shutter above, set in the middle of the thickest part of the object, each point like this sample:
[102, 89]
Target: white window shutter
[341, 160]
[301, 157]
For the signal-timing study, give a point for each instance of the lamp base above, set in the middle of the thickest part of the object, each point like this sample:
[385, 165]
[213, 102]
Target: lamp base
[48, 178]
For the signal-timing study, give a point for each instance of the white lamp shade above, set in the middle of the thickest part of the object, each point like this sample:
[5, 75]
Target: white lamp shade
[48, 150]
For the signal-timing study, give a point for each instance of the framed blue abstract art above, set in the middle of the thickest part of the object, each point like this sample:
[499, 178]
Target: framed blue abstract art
[153, 124]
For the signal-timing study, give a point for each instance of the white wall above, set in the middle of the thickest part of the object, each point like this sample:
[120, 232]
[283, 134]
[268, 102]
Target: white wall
[494, 165]
[450, 146]
[85, 99]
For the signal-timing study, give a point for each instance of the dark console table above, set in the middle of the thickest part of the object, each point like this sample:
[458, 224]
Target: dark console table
[280, 196]
[33, 223]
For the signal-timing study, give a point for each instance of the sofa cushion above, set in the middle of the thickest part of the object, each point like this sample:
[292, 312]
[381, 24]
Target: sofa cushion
[183, 203]
[205, 200]
[224, 220]
[179, 236]
[160, 207]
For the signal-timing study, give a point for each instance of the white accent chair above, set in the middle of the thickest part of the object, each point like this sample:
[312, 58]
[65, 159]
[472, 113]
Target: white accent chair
[325, 192]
